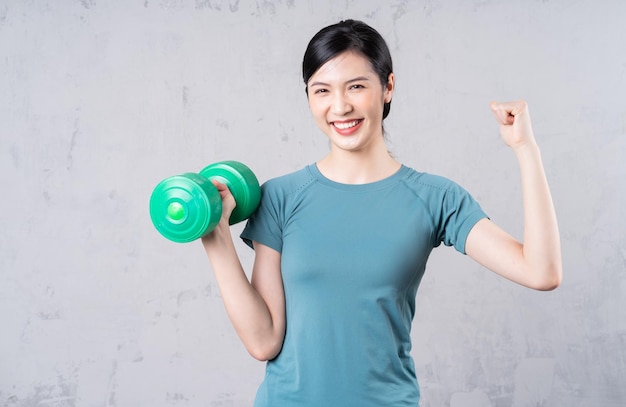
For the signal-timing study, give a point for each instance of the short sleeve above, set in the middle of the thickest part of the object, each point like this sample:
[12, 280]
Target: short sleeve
[459, 212]
[264, 226]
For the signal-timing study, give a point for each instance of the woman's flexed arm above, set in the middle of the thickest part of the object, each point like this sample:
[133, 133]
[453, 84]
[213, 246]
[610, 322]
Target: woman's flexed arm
[256, 308]
[535, 263]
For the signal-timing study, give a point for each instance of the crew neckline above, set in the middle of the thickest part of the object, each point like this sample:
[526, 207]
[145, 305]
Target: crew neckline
[382, 183]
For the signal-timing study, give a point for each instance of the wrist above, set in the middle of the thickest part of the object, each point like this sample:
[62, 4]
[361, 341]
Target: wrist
[529, 148]
[218, 236]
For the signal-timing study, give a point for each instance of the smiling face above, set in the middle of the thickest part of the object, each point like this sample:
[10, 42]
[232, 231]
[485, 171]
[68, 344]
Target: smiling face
[346, 99]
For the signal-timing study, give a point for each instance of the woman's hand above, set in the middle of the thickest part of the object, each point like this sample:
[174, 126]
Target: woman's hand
[515, 126]
[228, 200]
[222, 231]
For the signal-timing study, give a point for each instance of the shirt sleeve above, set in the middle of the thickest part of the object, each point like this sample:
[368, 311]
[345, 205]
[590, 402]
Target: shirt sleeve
[265, 226]
[458, 214]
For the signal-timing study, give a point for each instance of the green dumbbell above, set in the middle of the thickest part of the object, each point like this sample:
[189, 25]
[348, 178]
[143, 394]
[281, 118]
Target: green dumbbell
[186, 207]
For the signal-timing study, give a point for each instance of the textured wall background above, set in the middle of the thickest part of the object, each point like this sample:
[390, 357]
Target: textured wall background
[100, 100]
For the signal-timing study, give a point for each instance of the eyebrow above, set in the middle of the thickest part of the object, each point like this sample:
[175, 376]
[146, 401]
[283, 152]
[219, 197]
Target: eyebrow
[357, 79]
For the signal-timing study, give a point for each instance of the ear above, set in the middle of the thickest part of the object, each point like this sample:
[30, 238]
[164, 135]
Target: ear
[388, 91]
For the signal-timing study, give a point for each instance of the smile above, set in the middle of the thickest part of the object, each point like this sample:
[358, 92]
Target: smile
[347, 125]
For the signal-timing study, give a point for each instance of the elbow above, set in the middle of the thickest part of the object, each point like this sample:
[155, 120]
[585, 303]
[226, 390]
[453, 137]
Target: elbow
[265, 352]
[265, 345]
[552, 278]
[262, 355]
[548, 285]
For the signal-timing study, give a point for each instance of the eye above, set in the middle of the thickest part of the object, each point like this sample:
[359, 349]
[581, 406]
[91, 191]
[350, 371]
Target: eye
[357, 86]
[320, 90]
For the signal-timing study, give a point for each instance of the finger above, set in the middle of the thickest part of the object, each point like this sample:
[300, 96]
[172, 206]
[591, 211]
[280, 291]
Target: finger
[507, 112]
[221, 188]
[501, 114]
[515, 108]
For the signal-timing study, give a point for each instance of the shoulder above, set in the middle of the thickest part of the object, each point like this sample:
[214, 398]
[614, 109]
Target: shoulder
[288, 184]
[437, 192]
[426, 183]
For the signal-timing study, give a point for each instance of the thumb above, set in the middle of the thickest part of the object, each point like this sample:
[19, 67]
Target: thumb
[506, 112]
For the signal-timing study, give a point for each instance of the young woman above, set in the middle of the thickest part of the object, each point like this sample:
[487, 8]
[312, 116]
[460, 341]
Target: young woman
[341, 245]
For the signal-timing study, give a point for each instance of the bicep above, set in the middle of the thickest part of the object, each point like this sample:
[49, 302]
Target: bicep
[267, 281]
[498, 251]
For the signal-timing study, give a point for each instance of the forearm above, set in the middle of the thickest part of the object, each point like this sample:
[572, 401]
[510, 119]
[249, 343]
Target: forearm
[541, 247]
[245, 307]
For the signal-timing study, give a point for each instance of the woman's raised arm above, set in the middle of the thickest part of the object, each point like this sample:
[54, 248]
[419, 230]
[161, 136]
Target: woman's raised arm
[535, 263]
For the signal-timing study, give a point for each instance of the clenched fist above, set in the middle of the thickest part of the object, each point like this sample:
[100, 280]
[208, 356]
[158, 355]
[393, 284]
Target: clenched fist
[514, 119]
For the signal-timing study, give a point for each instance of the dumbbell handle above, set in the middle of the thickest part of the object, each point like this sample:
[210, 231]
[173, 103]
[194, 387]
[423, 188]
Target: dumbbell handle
[186, 207]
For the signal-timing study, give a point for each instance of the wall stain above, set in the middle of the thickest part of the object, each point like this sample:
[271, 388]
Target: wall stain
[61, 394]
[15, 156]
[88, 3]
[233, 6]
[222, 123]
[400, 10]
[70, 153]
[208, 291]
[112, 387]
[175, 397]
[3, 14]
[186, 296]
[12, 399]
[185, 96]
[224, 400]
[265, 7]
[431, 6]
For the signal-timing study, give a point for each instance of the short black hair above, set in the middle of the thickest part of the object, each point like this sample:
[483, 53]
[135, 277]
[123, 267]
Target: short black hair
[349, 35]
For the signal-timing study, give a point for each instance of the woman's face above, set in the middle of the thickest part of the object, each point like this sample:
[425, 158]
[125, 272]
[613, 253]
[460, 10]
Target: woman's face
[346, 99]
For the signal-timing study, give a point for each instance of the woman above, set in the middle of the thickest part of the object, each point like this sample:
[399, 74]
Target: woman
[341, 245]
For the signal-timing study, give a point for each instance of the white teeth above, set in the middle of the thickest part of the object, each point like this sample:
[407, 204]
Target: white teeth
[344, 126]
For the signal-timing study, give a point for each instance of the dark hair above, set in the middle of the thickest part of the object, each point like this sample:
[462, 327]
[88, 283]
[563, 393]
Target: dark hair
[349, 35]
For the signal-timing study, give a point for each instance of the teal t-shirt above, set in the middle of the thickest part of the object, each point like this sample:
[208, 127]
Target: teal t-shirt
[352, 257]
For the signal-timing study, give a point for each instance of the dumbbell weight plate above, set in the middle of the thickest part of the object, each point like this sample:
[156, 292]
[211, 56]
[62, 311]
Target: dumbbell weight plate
[185, 207]
[241, 182]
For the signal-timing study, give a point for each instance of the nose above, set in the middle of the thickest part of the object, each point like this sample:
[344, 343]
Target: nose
[340, 104]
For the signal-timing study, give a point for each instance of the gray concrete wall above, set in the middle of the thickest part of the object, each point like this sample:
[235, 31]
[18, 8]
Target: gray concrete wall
[100, 100]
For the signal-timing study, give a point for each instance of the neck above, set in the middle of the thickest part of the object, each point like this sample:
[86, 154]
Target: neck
[358, 167]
